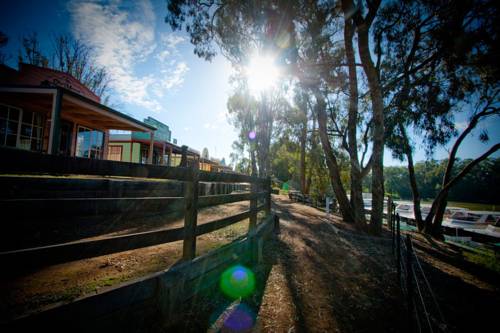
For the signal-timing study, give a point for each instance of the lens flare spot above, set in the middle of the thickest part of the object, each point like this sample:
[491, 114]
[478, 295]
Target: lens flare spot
[237, 281]
[252, 135]
[240, 320]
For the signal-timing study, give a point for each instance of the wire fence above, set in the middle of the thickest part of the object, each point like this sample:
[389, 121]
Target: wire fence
[424, 312]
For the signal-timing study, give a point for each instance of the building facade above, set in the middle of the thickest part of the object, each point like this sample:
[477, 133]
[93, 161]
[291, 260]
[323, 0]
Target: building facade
[49, 111]
[134, 147]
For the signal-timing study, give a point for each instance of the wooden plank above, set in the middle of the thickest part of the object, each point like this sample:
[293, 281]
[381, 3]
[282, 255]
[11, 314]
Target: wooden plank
[64, 187]
[190, 216]
[17, 161]
[206, 176]
[222, 223]
[213, 200]
[46, 255]
[145, 295]
[70, 207]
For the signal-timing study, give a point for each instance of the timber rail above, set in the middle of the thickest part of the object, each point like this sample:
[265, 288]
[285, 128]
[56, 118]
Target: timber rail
[165, 290]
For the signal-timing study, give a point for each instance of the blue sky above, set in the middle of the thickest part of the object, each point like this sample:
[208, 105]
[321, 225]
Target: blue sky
[154, 70]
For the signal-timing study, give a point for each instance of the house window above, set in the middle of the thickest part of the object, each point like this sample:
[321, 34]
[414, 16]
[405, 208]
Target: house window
[31, 131]
[20, 128]
[89, 143]
[115, 153]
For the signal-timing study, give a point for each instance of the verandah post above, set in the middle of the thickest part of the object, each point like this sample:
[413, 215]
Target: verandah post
[191, 189]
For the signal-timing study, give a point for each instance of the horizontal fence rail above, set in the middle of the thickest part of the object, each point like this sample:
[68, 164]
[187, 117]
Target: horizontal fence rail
[32, 212]
[17, 161]
[134, 305]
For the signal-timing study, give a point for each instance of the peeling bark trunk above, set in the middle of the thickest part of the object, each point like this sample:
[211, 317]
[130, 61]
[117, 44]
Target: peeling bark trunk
[356, 178]
[378, 129]
[435, 228]
[303, 139]
[253, 162]
[413, 181]
[265, 121]
[434, 219]
[331, 161]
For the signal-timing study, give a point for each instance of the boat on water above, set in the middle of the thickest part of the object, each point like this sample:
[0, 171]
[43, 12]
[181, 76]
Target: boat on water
[489, 231]
[470, 219]
[480, 225]
[405, 210]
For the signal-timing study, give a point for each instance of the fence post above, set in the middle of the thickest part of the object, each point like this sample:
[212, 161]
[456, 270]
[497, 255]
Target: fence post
[268, 196]
[393, 229]
[253, 220]
[409, 280]
[389, 211]
[190, 215]
[398, 247]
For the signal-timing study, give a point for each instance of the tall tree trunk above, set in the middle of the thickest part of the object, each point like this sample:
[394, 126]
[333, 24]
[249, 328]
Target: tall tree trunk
[442, 196]
[378, 129]
[303, 141]
[413, 180]
[331, 161]
[436, 214]
[313, 158]
[352, 124]
[263, 136]
[252, 161]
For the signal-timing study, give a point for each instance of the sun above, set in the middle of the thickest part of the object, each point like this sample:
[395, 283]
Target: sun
[262, 74]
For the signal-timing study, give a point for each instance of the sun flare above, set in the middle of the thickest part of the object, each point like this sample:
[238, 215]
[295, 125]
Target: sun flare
[262, 74]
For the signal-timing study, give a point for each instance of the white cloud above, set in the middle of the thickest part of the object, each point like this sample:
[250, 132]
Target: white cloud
[217, 121]
[175, 77]
[461, 125]
[171, 40]
[124, 36]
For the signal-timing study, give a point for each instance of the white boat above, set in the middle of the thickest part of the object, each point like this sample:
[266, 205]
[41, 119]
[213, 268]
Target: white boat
[405, 210]
[490, 230]
[470, 219]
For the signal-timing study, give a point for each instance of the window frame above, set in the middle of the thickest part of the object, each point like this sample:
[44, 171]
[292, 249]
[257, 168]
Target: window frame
[20, 123]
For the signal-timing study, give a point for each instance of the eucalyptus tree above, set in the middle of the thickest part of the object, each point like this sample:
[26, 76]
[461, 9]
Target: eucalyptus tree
[304, 36]
[242, 110]
[438, 61]
[361, 16]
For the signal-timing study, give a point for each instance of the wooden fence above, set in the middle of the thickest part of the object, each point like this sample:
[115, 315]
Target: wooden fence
[152, 288]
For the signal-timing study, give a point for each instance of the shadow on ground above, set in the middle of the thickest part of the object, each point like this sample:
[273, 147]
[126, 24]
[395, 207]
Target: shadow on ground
[312, 280]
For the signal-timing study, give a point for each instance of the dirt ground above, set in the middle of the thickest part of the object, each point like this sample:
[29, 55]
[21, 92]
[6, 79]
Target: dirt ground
[317, 275]
[314, 278]
[32, 290]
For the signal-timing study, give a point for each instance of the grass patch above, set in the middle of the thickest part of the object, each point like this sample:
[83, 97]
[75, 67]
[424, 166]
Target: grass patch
[483, 258]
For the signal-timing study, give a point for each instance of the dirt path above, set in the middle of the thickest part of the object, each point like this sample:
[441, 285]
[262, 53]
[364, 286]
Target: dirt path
[314, 278]
[327, 281]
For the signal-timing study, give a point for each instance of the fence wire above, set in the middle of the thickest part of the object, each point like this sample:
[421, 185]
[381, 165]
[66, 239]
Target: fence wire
[422, 298]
